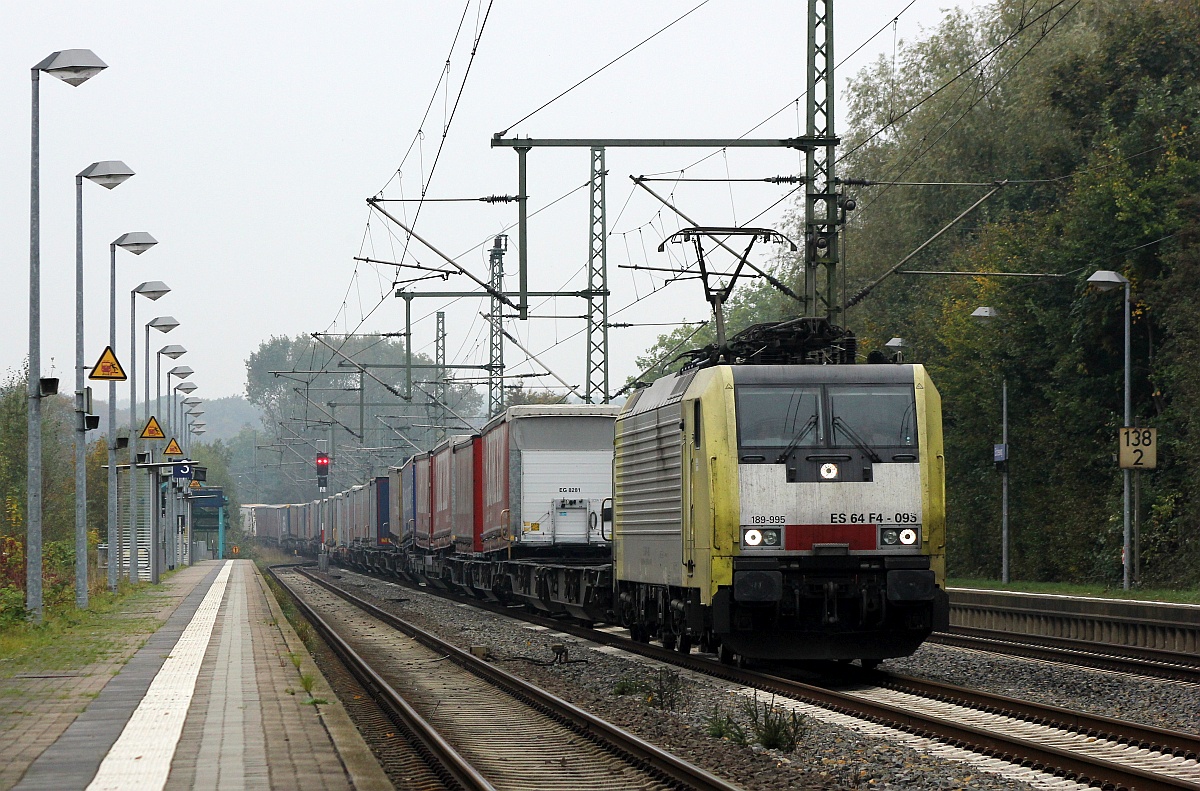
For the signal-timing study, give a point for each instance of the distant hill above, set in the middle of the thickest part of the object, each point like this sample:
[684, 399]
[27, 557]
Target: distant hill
[227, 416]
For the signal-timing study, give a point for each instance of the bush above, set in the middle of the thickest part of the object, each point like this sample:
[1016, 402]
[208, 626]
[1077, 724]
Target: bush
[12, 606]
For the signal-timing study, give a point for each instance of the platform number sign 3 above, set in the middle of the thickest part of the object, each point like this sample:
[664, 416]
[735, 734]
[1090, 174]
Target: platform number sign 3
[1139, 449]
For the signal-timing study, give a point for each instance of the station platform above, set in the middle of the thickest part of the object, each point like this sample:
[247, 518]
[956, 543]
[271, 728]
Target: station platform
[212, 700]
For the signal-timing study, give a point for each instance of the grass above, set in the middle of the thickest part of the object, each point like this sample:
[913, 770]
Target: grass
[775, 727]
[722, 726]
[662, 689]
[69, 639]
[1069, 589]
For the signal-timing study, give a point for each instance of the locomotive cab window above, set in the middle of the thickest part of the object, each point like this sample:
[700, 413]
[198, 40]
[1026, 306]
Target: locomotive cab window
[773, 417]
[878, 416]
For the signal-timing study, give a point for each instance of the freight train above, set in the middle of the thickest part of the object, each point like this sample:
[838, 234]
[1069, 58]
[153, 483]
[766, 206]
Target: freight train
[760, 511]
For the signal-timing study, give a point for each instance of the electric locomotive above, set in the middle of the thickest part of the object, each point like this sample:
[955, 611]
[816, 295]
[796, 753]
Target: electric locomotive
[782, 511]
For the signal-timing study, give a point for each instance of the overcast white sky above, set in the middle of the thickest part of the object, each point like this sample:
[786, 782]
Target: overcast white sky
[258, 129]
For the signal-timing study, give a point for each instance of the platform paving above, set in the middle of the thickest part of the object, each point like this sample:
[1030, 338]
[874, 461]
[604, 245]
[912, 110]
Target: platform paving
[213, 700]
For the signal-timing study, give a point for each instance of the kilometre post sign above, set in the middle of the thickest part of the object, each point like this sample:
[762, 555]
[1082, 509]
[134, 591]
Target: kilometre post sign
[1138, 448]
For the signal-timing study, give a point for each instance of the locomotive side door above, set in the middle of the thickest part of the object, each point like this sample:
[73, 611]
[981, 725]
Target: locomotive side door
[693, 480]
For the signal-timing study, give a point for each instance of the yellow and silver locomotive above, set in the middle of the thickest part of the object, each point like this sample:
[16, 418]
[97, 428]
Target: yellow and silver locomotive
[782, 511]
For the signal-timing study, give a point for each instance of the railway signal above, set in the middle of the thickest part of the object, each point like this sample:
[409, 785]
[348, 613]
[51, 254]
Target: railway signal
[322, 471]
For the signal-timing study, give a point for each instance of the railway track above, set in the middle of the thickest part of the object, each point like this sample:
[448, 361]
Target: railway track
[1089, 749]
[1100, 656]
[480, 727]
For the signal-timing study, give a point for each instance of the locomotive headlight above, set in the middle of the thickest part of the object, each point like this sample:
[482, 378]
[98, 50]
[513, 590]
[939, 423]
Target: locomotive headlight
[752, 537]
[829, 471]
[908, 536]
[889, 536]
[771, 538]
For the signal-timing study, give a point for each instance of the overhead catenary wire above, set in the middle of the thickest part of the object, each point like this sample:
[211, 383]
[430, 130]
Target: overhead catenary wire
[635, 47]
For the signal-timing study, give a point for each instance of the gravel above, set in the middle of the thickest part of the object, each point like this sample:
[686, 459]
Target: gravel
[1173, 705]
[624, 689]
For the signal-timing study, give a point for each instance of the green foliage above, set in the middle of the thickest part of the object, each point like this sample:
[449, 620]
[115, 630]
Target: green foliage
[1090, 110]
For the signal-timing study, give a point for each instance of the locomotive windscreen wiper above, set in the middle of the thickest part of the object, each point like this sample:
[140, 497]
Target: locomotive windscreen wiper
[796, 440]
[857, 440]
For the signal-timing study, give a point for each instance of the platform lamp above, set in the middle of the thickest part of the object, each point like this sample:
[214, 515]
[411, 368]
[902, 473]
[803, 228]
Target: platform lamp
[181, 372]
[197, 424]
[1107, 280]
[174, 351]
[136, 242]
[74, 67]
[108, 174]
[897, 346]
[187, 403]
[162, 324]
[986, 315]
[152, 290]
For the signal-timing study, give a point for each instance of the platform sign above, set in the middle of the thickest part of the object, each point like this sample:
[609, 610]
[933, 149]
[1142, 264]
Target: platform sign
[1138, 448]
[173, 449]
[152, 430]
[181, 471]
[108, 368]
[999, 453]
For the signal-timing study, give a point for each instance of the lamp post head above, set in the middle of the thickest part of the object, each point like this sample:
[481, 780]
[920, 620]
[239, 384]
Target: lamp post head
[152, 289]
[984, 314]
[107, 174]
[1107, 280]
[136, 242]
[163, 323]
[174, 351]
[196, 413]
[197, 430]
[187, 387]
[192, 400]
[72, 66]
[181, 371]
[896, 343]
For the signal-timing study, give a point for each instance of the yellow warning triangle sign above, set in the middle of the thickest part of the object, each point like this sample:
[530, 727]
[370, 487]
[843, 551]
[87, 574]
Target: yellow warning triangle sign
[194, 485]
[152, 430]
[173, 449]
[107, 367]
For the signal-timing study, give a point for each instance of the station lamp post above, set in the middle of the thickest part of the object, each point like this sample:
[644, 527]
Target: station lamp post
[987, 315]
[107, 174]
[152, 290]
[162, 324]
[136, 242]
[189, 401]
[74, 67]
[1107, 280]
[174, 351]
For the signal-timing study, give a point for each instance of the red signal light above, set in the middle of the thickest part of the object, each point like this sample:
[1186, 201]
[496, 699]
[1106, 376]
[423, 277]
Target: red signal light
[323, 460]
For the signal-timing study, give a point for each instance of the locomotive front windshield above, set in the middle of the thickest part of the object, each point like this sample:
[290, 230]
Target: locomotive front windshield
[873, 415]
[771, 418]
[775, 417]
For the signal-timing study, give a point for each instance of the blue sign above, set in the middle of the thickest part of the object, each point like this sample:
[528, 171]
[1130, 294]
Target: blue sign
[181, 471]
[999, 453]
